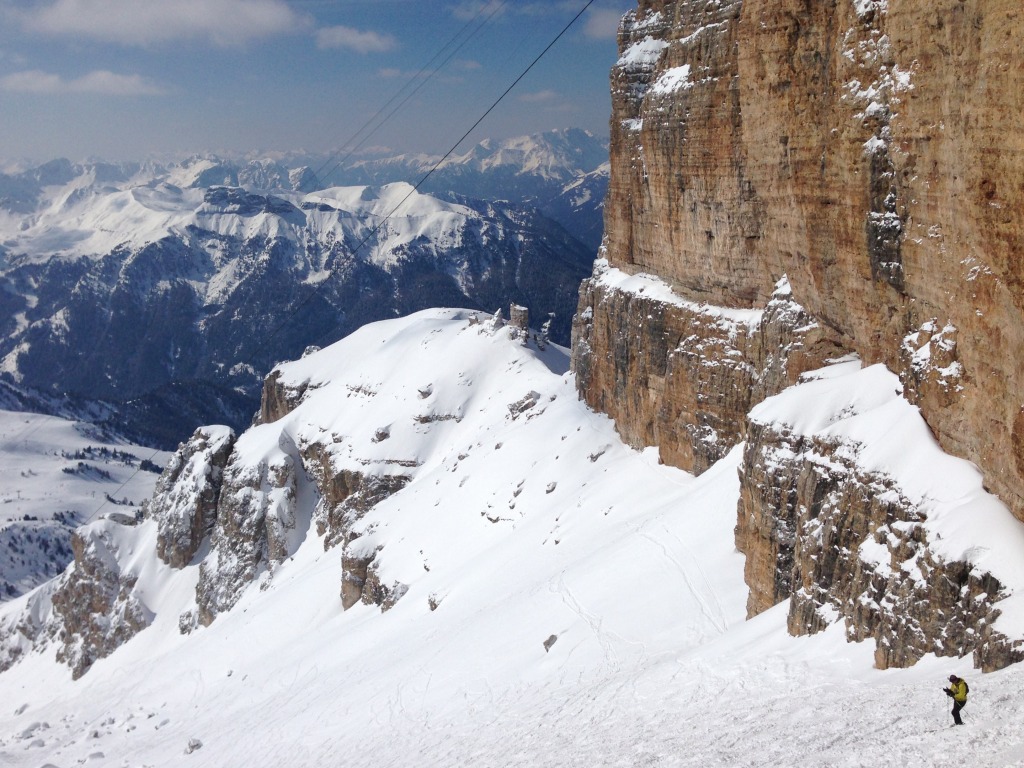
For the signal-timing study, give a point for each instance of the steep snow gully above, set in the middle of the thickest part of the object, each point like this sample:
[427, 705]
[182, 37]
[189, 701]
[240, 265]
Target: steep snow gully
[569, 602]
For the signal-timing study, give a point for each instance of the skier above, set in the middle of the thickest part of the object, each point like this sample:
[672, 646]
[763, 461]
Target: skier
[957, 691]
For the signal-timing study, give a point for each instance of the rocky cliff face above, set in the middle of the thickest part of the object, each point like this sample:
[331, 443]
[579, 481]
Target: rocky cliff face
[868, 152]
[185, 498]
[95, 607]
[844, 540]
[682, 375]
[256, 512]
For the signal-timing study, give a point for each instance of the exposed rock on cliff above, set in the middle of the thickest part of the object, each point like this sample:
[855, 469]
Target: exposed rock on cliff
[95, 602]
[682, 375]
[184, 502]
[276, 400]
[822, 526]
[869, 152]
[361, 581]
[866, 150]
[23, 631]
[346, 496]
[254, 517]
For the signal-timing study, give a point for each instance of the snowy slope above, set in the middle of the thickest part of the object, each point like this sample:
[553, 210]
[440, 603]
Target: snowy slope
[55, 474]
[570, 601]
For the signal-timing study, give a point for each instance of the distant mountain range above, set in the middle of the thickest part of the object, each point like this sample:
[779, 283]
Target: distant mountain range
[563, 173]
[168, 290]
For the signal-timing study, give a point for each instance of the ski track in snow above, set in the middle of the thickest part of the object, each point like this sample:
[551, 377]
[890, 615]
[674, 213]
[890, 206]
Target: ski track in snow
[711, 608]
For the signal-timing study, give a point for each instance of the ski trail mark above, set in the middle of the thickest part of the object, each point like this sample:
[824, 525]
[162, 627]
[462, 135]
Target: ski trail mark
[596, 623]
[702, 591]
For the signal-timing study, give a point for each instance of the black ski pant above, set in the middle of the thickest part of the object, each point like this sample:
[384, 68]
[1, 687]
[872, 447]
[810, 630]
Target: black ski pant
[957, 706]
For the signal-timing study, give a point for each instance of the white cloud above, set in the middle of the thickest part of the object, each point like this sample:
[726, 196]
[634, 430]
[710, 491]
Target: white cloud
[602, 24]
[354, 39]
[100, 82]
[145, 22]
[538, 97]
[471, 9]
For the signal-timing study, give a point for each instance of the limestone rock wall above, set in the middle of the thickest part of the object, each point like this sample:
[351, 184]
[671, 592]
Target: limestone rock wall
[681, 203]
[94, 604]
[842, 543]
[347, 495]
[277, 400]
[683, 376]
[868, 150]
[184, 501]
[254, 514]
[890, 175]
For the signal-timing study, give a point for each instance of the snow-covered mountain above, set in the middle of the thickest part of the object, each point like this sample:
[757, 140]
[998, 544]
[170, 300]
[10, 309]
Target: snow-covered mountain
[173, 299]
[543, 170]
[547, 170]
[149, 298]
[430, 550]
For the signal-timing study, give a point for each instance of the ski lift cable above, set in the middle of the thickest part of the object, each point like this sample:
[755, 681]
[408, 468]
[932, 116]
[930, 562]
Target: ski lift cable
[424, 75]
[413, 92]
[495, 9]
[315, 292]
[424, 70]
[491, 108]
[380, 225]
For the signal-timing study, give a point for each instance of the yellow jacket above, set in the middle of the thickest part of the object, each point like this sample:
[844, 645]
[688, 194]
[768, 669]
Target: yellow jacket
[959, 690]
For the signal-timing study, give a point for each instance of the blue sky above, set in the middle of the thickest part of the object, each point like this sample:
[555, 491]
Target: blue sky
[130, 79]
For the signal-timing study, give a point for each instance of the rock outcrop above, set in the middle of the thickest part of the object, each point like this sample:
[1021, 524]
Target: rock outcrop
[95, 603]
[680, 375]
[255, 514]
[23, 631]
[184, 501]
[346, 496]
[868, 152]
[844, 543]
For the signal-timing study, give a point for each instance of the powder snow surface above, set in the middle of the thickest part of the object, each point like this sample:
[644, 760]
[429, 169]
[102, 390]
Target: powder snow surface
[525, 528]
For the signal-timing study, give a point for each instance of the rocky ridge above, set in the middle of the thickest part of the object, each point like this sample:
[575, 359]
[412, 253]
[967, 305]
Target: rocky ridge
[329, 449]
